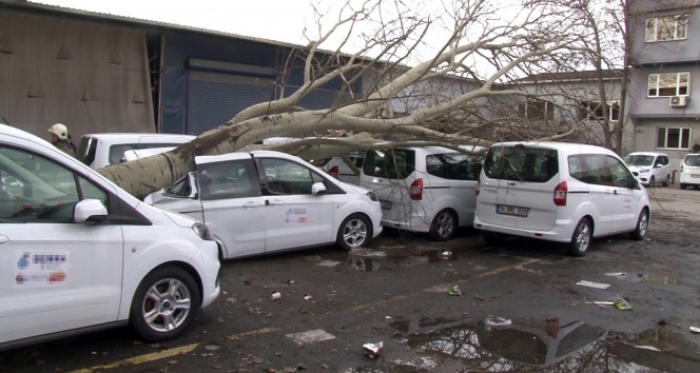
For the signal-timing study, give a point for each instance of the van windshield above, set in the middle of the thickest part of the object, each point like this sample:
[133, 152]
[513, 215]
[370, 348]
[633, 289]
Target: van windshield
[639, 160]
[692, 160]
[522, 163]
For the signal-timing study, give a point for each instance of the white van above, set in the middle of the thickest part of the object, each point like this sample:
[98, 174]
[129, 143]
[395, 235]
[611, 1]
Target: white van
[99, 150]
[690, 171]
[652, 167]
[423, 189]
[559, 192]
[80, 254]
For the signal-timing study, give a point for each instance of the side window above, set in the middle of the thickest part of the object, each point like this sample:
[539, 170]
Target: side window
[180, 188]
[116, 152]
[392, 164]
[619, 173]
[35, 189]
[286, 177]
[435, 165]
[453, 166]
[590, 169]
[231, 179]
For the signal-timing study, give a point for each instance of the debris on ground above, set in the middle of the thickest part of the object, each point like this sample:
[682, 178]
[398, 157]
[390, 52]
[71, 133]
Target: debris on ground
[622, 305]
[591, 284]
[694, 329]
[276, 295]
[446, 254]
[327, 263]
[650, 348]
[307, 296]
[616, 274]
[497, 321]
[372, 350]
[212, 347]
[604, 303]
[454, 290]
[290, 282]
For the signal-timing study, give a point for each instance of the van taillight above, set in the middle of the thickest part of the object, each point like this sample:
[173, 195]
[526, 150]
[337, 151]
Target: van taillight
[416, 190]
[334, 171]
[560, 194]
[478, 188]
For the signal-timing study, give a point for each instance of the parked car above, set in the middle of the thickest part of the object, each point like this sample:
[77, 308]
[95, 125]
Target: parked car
[340, 170]
[80, 254]
[423, 189]
[263, 202]
[558, 192]
[652, 167]
[690, 171]
[99, 150]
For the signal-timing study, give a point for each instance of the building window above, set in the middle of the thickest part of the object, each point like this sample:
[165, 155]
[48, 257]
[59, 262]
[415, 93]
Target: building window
[667, 85]
[666, 28]
[593, 110]
[673, 138]
[536, 110]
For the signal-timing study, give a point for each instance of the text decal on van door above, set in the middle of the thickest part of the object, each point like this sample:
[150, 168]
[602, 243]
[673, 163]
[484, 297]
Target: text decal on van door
[41, 268]
[296, 216]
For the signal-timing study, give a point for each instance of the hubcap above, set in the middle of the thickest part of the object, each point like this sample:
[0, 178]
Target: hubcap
[583, 238]
[355, 233]
[445, 225]
[643, 225]
[166, 305]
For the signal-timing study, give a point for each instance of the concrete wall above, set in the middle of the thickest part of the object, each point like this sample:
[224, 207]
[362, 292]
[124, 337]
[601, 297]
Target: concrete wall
[90, 76]
[646, 136]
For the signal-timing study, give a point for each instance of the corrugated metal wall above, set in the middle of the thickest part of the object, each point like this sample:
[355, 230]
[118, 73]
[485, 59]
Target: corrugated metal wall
[90, 76]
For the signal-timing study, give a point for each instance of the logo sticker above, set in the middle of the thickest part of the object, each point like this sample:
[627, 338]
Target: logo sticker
[41, 268]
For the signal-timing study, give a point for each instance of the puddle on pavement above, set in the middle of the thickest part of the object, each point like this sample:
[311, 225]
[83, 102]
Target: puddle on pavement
[374, 260]
[459, 346]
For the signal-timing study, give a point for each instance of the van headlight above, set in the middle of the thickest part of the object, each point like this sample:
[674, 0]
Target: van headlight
[372, 196]
[202, 231]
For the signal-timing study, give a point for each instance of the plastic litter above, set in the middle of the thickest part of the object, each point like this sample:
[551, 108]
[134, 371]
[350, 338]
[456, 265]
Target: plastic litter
[694, 329]
[622, 305]
[591, 284]
[604, 303]
[446, 254]
[454, 290]
[616, 274]
[372, 350]
[276, 295]
[497, 321]
[307, 297]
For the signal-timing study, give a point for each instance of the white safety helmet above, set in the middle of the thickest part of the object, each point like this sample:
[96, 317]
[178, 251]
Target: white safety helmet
[59, 130]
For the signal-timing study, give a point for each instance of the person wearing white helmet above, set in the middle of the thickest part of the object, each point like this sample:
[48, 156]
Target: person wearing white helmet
[59, 138]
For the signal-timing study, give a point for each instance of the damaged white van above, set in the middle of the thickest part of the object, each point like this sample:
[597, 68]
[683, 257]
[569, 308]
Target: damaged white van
[559, 192]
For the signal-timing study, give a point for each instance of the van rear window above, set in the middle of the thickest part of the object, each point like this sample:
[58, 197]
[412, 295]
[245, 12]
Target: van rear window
[692, 160]
[390, 164]
[537, 165]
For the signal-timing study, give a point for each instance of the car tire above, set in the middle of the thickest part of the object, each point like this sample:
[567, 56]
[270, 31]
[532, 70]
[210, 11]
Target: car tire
[640, 230]
[667, 182]
[683, 186]
[581, 239]
[444, 225]
[155, 315]
[493, 239]
[354, 233]
[652, 181]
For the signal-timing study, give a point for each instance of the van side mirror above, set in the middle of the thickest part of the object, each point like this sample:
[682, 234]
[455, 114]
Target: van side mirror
[89, 210]
[318, 189]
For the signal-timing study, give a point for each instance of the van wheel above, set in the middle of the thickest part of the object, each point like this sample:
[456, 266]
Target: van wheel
[444, 225]
[667, 182]
[581, 239]
[493, 239]
[683, 186]
[354, 233]
[165, 304]
[640, 231]
[652, 182]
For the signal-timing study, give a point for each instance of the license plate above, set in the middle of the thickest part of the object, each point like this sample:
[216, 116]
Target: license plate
[512, 210]
[694, 176]
[386, 205]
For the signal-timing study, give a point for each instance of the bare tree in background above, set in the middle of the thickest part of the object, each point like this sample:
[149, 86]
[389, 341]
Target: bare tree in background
[476, 45]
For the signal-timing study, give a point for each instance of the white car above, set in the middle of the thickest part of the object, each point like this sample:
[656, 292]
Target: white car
[100, 150]
[652, 167]
[690, 171]
[80, 254]
[558, 192]
[264, 202]
[424, 189]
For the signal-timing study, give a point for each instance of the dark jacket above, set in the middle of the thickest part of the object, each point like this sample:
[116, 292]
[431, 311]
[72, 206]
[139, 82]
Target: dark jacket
[65, 146]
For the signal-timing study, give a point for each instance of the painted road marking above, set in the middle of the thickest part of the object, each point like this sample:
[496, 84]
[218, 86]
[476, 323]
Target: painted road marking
[147, 358]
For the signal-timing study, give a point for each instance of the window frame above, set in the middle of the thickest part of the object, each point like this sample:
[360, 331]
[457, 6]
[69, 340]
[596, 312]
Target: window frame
[547, 114]
[680, 138]
[657, 89]
[588, 112]
[677, 19]
[255, 187]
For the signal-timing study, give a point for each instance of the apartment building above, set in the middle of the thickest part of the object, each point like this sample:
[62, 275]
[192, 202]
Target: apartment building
[664, 92]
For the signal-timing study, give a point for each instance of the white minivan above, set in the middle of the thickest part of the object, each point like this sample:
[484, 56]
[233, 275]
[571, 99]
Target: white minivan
[690, 171]
[558, 192]
[424, 189]
[79, 254]
[652, 167]
[99, 150]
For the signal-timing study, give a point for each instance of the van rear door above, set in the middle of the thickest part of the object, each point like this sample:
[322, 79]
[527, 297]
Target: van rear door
[389, 174]
[517, 187]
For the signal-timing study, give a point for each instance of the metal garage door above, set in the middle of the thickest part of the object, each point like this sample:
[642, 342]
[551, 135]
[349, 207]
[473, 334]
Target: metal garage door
[213, 98]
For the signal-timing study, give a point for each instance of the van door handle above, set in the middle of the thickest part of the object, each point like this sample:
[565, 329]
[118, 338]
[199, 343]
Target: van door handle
[3, 239]
[511, 183]
[250, 204]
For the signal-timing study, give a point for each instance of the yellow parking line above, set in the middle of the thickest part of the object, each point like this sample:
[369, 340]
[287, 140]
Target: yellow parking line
[141, 359]
[445, 286]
